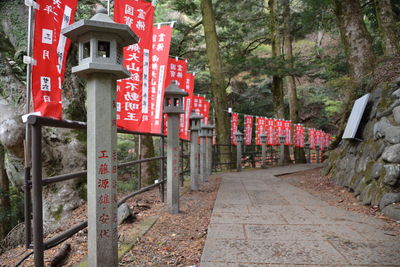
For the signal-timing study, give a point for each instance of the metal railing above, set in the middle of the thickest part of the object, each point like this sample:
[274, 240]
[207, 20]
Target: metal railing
[34, 186]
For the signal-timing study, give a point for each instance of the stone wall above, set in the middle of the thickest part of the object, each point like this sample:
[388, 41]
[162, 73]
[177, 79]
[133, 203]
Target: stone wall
[370, 167]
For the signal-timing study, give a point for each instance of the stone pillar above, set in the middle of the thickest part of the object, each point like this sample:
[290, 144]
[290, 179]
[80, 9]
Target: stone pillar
[263, 151]
[194, 150]
[102, 171]
[239, 140]
[308, 151]
[209, 149]
[101, 68]
[203, 153]
[317, 154]
[173, 164]
[282, 150]
[173, 107]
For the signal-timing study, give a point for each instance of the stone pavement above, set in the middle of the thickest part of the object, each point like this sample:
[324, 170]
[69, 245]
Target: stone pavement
[260, 220]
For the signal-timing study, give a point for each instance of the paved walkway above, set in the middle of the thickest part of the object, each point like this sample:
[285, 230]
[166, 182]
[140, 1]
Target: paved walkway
[260, 220]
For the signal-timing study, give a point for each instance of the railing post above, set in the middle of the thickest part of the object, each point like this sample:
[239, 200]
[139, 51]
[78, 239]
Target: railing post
[37, 203]
[162, 163]
[194, 150]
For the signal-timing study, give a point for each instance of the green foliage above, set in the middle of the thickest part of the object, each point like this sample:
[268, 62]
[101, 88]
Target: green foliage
[17, 206]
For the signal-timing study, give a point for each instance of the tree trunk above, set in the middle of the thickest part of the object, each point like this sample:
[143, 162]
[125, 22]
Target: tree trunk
[149, 169]
[387, 27]
[276, 42]
[5, 204]
[218, 82]
[356, 38]
[299, 154]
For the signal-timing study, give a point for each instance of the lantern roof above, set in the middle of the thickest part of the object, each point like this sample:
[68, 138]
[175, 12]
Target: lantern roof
[238, 133]
[195, 116]
[174, 90]
[101, 23]
[206, 127]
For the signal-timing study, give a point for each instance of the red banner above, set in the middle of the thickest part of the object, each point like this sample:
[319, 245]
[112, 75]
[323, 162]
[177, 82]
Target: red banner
[260, 129]
[279, 131]
[270, 131]
[50, 52]
[311, 138]
[287, 128]
[234, 127]
[185, 118]
[299, 135]
[133, 94]
[159, 59]
[206, 111]
[248, 129]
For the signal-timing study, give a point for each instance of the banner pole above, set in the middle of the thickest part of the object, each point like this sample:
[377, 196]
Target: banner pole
[27, 143]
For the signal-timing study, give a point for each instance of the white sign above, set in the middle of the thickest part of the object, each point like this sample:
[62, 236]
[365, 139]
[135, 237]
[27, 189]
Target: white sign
[355, 117]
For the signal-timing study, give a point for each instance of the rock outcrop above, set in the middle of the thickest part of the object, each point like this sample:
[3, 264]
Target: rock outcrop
[370, 167]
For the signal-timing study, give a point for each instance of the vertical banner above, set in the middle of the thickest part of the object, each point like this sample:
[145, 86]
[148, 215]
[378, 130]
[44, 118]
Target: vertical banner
[270, 131]
[302, 137]
[318, 138]
[311, 138]
[278, 130]
[248, 129]
[50, 49]
[176, 71]
[187, 105]
[234, 127]
[287, 128]
[159, 59]
[133, 94]
[260, 129]
[206, 111]
[299, 135]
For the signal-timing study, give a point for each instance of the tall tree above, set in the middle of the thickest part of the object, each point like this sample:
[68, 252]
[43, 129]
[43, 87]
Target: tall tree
[5, 204]
[290, 81]
[387, 27]
[218, 81]
[355, 37]
[276, 43]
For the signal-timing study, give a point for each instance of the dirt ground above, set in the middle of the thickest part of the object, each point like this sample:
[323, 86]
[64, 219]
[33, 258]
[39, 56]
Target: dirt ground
[322, 187]
[175, 240]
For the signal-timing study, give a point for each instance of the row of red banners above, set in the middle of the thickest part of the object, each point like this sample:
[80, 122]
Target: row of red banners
[140, 97]
[273, 128]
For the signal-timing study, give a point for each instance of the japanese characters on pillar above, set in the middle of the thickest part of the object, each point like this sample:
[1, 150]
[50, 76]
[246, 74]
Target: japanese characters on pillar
[278, 130]
[270, 131]
[159, 59]
[176, 71]
[107, 196]
[50, 49]
[287, 128]
[133, 100]
[184, 124]
[205, 111]
[248, 129]
[234, 127]
[260, 129]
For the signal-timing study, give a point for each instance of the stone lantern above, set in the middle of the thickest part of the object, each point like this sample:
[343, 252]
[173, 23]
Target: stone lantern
[100, 42]
[204, 134]
[263, 137]
[239, 140]
[194, 149]
[173, 107]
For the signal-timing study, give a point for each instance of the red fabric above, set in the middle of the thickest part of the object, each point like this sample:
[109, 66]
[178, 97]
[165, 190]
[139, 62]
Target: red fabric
[248, 129]
[161, 42]
[185, 118]
[278, 131]
[176, 71]
[299, 135]
[234, 127]
[50, 52]
[270, 131]
[260, 129]
[287, 128]
[312, 138]
[133, 94]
